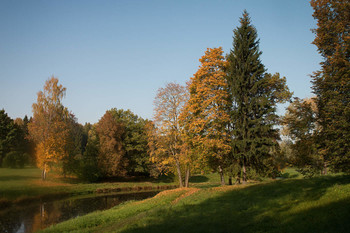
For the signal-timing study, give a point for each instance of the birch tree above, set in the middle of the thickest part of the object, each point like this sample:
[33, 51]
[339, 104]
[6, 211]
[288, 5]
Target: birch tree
[49, 127]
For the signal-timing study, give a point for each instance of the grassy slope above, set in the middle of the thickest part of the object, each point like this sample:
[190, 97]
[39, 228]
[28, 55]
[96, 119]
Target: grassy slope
[19, 184]
[319, 204]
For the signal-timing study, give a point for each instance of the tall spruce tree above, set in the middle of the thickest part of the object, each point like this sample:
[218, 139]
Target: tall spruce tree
[255, 94]
[331, 83]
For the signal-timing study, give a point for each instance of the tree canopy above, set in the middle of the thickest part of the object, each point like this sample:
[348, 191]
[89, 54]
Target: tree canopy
[331, 83]
[206, 116]
[165, 136]
[50, 126]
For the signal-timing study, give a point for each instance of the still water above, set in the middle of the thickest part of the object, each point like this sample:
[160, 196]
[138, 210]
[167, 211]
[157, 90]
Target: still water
[39, 215]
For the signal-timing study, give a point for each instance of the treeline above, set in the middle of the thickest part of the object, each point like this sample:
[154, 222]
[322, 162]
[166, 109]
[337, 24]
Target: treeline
[115, 146]
[16, 147]
[223, 121]
[318, 128]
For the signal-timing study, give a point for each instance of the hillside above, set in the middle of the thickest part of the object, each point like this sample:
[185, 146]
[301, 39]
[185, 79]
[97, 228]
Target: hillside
[318, 204]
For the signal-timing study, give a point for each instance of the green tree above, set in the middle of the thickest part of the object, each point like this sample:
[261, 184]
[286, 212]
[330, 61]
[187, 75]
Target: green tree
[14, 144]
[134, 140]
[88, 168]
[74, 146]
[27, 144]
[255, 94]
[331, 83]
[15, 159]
[85, 135]
[300, 125]
[8, 132]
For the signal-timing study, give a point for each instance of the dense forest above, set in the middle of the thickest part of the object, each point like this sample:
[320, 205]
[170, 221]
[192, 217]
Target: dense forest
[224, 120]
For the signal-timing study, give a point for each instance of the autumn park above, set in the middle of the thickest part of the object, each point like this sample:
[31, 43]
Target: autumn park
[216, 156]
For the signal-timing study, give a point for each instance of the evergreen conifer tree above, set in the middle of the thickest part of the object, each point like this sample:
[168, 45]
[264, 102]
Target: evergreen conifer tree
[8, 132]
[255, 94]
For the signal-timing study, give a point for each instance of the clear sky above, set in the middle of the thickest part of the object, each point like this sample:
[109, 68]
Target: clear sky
[118, 53]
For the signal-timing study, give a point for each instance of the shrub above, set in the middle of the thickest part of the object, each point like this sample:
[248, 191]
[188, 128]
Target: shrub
[15, 159]
[88, 169]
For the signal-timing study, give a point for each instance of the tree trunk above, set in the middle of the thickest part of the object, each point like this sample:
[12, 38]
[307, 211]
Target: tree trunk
[187, 177]
[221, 172]
[244, 181]
[230, 180]
[43, 173]
[179, 173]
[324, 172]
[238, 179]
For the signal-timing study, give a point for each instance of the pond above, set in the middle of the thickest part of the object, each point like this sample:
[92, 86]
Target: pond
[39, 215]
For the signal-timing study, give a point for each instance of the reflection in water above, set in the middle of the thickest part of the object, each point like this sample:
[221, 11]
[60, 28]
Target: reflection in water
[31, 218]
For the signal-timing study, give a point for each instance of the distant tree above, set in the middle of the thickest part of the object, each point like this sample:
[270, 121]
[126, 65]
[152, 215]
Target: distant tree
[85, 135]
[205, 117]
[285, 154]
[88, 168]
[8, 133]
[29, 144]
[19, 121]
[14, 144]
[20, 135]
[166, 141]
[159, 156]
[15, 159]
[50, 127]
[73, 147]
[111, 157]
[277, 92]
[331, 83]
[254, 94]
[300, 124]
[134, 140]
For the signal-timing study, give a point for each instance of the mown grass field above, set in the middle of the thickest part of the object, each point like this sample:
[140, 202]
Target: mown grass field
[320, 204]
[22, 184]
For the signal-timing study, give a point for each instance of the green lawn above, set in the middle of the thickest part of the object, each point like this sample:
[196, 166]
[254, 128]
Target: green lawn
[320, 204]
[25, 184]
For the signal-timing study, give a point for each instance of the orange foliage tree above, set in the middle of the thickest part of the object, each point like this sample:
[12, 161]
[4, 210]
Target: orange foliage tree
[206, 116]
[111, 159]
[165, 136]
[49, 127]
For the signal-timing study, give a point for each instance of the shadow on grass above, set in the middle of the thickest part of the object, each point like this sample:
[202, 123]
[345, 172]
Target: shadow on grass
[260, 208]
[288, 175]
[163, 179]
[198, 179]
[17, 178]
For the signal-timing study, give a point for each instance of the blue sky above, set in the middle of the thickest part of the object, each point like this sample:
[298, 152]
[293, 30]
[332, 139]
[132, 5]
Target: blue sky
[118, 53]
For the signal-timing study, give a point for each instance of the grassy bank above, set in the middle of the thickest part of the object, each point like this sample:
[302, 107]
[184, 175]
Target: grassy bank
[18, 185]
[290, 205]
